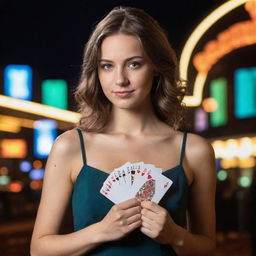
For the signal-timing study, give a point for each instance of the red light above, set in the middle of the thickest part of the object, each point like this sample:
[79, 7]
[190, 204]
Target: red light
[15, 186]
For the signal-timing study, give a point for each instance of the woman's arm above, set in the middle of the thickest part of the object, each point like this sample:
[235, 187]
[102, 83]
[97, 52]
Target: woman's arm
[200, 239]
[121, 219]
[57, 188]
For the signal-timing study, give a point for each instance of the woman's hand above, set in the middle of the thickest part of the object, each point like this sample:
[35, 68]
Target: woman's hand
[121, 219]
[156, 222]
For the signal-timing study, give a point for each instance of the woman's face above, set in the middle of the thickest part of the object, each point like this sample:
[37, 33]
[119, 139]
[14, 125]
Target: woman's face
[125, 74]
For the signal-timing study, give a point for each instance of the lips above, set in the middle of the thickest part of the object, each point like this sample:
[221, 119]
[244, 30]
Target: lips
[123, 94]
[123, 91]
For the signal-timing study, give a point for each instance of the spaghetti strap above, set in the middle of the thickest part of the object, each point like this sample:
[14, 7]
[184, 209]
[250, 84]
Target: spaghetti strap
[183, 147]
[82, 144]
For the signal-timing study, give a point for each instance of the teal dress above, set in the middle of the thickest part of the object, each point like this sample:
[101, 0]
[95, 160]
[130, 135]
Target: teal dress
[90, 206]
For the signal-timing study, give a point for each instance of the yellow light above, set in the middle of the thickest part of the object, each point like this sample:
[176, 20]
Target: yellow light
[14, 124]
[191, 43]
[13, 148]
[5, 127]
[238, 35]
[229, 163]
[218, 146]
[254, 146]
[231, 148]
[246, 162]
[39, 109]
[242, 148]
[195, 100]
[251, 8]
[245, 148]
[201, 29]
[225, 164]
[210, 105]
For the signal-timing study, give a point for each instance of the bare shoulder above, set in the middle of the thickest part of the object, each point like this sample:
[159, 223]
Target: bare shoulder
[65, 149]
[67, 143]
[198, 147]
[199, 152]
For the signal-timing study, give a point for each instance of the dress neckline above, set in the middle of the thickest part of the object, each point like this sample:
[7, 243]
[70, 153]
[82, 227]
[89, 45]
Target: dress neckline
[106, 173]
[171, 170]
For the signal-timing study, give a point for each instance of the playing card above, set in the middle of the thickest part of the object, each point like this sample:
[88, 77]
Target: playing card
[117, 184]
[110, 188]
[135, 180]
[152, 166]
[151, 186]
[135, 170]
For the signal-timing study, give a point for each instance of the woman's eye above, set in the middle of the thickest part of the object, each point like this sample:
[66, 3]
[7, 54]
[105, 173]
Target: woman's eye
[134, 64]
[106, 66]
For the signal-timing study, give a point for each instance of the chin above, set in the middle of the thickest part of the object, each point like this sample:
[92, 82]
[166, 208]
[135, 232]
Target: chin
[127, 106]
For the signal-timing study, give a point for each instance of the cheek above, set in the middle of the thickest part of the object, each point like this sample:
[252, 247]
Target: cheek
[104, 81]
[144, 81]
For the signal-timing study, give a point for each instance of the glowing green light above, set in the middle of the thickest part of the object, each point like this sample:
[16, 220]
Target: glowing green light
[244, 181]
[222, 175]
[4, 180]
[54, 93]
[218, 91]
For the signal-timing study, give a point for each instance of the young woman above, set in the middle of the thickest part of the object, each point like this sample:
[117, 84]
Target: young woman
[130, 99]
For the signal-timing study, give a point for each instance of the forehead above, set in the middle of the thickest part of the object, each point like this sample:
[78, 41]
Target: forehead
[120, 46]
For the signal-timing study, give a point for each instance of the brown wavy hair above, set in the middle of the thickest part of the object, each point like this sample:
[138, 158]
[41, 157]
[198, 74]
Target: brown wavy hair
[168, 89]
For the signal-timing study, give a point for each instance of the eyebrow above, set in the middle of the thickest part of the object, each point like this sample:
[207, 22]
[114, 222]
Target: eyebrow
[128, 59]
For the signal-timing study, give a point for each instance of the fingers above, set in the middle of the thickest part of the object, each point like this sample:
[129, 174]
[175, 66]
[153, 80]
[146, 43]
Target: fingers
[134, 225]
[146, 222]
[148, 214]
[149, 227]
[151, 206]
[128, 204]
[134, 218]
[128, 208]
[147, 232]
[132, 211]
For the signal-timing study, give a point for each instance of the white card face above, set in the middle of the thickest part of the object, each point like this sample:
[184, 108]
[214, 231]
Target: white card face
[139, 180]
[152, 166]
[110, 188]
[151, 186]
[135, 170]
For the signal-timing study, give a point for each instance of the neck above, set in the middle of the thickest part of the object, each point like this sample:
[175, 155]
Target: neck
[133, 122]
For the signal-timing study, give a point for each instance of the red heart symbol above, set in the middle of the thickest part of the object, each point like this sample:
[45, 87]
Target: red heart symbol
[149, 176]
[138, 171]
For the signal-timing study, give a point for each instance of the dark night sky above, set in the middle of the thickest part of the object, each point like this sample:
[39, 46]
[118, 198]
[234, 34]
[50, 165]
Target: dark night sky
[50, 35]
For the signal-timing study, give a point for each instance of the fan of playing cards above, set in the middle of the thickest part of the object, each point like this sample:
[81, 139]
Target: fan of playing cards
[135, 180]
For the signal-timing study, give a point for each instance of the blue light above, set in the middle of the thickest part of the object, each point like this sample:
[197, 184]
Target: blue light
[36, 174]
[25, 166]
[45, 133]
[18, 81]
[245, 92]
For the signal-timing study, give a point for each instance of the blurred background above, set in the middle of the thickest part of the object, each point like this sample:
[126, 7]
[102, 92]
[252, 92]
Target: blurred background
[41, 50]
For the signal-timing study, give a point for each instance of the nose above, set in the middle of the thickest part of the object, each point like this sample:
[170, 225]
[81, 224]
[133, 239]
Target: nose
[121, 77]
